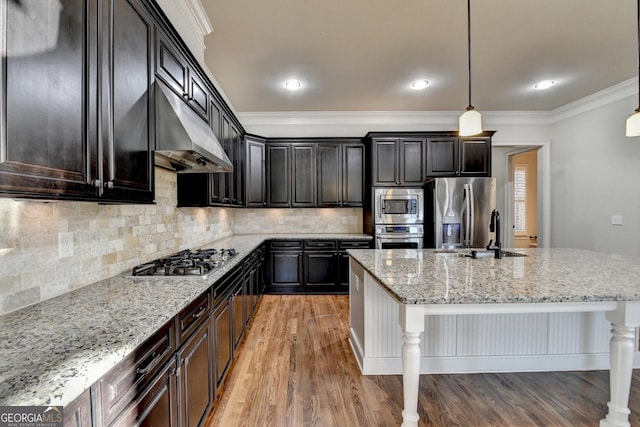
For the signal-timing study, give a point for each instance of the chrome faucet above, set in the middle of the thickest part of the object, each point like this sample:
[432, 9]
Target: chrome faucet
[494, 227]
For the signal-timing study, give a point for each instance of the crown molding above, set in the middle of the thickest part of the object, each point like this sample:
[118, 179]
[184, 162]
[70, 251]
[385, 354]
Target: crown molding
[192, 23]
[358, 123]
[598, 99]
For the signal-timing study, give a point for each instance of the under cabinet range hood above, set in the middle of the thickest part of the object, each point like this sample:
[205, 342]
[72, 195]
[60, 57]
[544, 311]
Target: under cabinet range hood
[184, 142]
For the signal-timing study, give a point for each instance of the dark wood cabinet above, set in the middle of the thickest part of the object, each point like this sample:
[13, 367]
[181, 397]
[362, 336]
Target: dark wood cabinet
[94, 73]
[298, 266]
[238, 297]
[195, 364]
[127, 64]
[198, 97]
[454, 156]
[291, 174]
[49, 124]
[255, 188]
[171, 66]
[340, 174]
[223, 340]
[320, 264]
[398, 161]
[278, 175]
[120, 387]
[156, 405]
[78, 412]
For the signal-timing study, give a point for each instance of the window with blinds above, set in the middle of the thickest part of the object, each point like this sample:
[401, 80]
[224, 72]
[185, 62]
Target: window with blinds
[520, 199]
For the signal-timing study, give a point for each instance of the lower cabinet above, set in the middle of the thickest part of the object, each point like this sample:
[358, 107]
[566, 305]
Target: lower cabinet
[299, 266]
[195, 364]
[78, 412]
[156, 405]
[174, 377]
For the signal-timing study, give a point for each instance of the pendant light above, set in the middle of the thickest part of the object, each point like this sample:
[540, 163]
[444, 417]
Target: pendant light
[470, 122]
[633, 122]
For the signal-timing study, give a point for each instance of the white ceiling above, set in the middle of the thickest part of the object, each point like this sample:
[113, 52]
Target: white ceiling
[361, 55]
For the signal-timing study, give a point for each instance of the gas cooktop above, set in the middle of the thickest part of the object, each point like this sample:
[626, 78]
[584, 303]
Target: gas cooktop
[194, 263]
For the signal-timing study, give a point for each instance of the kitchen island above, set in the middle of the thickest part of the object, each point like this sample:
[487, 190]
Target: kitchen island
[426, 283]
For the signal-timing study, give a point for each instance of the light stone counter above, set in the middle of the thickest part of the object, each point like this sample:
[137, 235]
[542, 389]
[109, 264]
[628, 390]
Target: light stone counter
[52, 351]
[426, 283]
[543, 275]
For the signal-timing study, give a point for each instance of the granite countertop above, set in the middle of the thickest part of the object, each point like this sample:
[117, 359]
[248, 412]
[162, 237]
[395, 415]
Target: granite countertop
[543, 275]
[52, 351]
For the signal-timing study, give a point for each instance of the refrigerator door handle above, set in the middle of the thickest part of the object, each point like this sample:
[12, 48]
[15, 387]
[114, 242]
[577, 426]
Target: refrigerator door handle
[467, 214]
[472, 214]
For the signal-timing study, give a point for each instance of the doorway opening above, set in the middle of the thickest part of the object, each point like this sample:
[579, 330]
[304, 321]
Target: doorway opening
[523, 175]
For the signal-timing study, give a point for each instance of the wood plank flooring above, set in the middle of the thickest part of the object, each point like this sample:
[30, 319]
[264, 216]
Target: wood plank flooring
[296, 369]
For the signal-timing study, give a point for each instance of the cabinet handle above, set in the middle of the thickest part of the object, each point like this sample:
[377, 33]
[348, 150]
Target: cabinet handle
[155, 356]
[199, 313]
[109, 185]
[97, 183]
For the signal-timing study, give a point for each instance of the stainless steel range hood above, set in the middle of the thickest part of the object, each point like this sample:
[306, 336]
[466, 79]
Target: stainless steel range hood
[184, 142]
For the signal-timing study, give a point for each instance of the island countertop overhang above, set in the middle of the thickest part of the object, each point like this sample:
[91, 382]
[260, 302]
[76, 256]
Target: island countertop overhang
[555, 275]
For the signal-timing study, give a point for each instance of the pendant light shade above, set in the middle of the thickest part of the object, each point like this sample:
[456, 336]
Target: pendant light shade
[633, 124]
[470, 122]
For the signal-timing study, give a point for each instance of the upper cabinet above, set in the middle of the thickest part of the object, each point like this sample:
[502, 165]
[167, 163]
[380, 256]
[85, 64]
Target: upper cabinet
[398, 161]
[73, 127]
[256, 186]
[340, 173]
[459, 156]
[174, 69]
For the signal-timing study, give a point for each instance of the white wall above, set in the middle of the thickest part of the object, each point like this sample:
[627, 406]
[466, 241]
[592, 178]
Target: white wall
[595, 173]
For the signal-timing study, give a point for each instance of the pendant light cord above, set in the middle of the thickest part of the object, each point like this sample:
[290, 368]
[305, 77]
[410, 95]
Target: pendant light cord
[469, 43]
[638, 11]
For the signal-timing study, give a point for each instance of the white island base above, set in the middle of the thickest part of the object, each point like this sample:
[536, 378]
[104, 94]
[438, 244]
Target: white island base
[389, 337]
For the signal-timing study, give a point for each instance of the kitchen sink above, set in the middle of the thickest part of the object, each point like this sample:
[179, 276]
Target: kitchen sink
[479, 253]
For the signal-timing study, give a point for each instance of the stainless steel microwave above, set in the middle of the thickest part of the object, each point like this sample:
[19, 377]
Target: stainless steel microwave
[398, 205]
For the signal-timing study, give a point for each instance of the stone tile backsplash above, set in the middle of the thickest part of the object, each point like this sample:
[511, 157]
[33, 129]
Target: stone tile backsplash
[111, 239]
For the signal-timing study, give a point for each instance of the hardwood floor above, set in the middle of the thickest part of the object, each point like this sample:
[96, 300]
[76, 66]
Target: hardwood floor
[296, 369]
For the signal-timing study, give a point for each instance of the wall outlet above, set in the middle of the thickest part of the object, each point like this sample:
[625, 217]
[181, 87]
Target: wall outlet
[616, 220]
[65, 245]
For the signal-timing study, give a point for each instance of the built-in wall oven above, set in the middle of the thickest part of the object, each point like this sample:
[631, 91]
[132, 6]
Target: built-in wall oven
[399, 218]
[400, 236]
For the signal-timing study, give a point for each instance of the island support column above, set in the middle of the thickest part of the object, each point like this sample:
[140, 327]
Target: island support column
[412, 324]
[624, 320]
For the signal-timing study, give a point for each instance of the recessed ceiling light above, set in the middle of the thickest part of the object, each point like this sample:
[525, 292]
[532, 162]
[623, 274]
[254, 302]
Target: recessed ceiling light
[293, 84]
[545, 84]
[420, 84]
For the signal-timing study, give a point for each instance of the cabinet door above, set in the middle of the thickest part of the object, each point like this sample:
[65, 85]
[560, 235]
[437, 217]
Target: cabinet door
[48, 106]
[329, 175]
[352, 175]
[199, 96]
[411, 152]
[385, 162]
[442, 156]
[156, 405]
[238, 312]
[286, 268]
[238, 167]
[196, 376]
[223, 337]
[320, 269]
[255, 173]
[228, 145]
[171, 66]
[278, 170]
[475, 156]
[78, 412]
[303, 175]
[127, 109]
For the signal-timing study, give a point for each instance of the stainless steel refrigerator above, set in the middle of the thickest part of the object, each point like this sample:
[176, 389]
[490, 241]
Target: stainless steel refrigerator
[458, 212]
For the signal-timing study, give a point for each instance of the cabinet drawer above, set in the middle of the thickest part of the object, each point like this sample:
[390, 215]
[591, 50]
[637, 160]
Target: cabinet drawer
[352, 244]
[121, 384]
[286, 244]
[221, 290]
[320, 244]
[188, 320]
